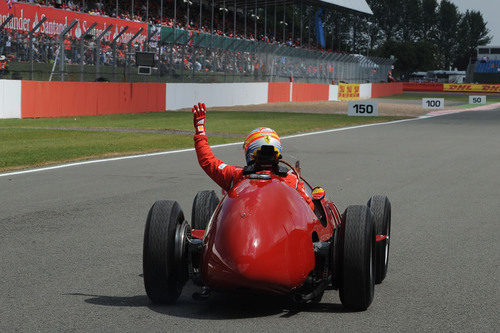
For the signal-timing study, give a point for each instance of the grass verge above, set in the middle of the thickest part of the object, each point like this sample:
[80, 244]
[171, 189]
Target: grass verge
[22, 147]
[231, 122]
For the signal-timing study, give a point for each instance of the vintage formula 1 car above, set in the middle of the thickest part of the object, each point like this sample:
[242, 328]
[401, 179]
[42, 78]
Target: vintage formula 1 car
[263, 237]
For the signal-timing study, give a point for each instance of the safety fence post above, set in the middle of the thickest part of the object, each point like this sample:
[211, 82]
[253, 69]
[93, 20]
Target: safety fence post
[113, 43]
[2, 26]
[98, 50]
[129, 53]
[62, 55]
[30, 36]
[196, 52]
[82, 38]
[4, 23]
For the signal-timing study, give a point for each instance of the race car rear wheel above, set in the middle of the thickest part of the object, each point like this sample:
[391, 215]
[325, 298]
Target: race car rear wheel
[381, 209]
[204, 205]
[357, 280]
[164, 253]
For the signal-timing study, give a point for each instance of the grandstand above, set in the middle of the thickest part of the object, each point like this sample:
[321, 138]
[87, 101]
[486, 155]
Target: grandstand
[205, 41]
[486, 68]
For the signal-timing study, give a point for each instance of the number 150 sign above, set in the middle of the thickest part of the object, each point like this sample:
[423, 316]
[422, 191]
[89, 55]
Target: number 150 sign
[362, 108]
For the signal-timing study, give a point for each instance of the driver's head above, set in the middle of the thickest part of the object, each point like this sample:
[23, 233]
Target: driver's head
[256, 139]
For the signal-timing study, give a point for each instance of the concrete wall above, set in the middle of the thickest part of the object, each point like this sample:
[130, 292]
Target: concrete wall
[42, 99]
[184, 95]
[10, 99]
[386, 89]
[34, 99]
[279, 92]
[365, 90]
[333, 93]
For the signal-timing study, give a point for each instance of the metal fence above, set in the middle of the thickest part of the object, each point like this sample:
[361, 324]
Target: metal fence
[180, 56]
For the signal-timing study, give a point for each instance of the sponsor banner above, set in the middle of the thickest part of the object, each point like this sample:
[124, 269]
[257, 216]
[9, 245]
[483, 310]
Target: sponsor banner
[416, 86]
[492, 88]
[348, 91]
[27, 16]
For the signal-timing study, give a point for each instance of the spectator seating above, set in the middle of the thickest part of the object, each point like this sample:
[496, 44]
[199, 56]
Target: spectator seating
[491, 66]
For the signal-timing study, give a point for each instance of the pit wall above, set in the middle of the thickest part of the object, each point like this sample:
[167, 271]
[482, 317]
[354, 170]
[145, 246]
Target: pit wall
[35, 99]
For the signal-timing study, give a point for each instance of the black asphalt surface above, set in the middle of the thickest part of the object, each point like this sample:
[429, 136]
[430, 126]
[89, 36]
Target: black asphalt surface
[71, 238]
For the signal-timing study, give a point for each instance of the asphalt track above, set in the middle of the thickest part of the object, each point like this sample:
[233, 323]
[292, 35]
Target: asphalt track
[71, 238]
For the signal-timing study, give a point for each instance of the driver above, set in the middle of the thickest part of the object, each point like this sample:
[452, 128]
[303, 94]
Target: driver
[226, 175]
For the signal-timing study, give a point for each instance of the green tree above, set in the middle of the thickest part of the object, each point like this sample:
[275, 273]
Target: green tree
[429, 20]
[410, 20]
[472, 32]
[422, 34]
[447, 33]
[387, 16]
[410, 56]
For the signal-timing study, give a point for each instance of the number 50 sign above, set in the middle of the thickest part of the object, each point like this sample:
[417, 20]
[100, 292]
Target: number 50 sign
[362, 108]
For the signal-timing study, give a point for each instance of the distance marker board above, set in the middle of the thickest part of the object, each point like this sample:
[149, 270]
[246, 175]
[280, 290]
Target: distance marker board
[432, 103]
[362, 108]
[477, 99]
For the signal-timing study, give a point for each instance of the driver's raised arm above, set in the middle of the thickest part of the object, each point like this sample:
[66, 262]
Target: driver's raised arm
[221, 173]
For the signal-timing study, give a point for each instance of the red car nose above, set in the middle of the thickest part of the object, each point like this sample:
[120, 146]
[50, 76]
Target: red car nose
[260, 238]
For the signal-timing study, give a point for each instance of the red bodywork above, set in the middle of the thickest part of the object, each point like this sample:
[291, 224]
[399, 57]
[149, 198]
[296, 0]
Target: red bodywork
[261, 237]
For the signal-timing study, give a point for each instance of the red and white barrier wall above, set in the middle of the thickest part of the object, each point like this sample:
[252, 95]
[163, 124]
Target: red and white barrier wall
[40, 99]
[10, 99]
[184, 95]
[36, 99]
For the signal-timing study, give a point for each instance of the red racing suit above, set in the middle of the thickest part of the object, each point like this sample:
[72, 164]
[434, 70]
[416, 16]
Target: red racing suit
[226, 175]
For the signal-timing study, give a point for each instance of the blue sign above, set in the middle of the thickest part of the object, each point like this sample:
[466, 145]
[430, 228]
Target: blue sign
[318, 24]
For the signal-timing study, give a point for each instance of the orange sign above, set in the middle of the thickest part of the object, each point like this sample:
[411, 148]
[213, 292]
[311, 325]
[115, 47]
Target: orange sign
[466, 87]
[348, 91]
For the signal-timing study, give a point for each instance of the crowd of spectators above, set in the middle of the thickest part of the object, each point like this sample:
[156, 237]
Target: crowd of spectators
[187, 18]
[171, 59]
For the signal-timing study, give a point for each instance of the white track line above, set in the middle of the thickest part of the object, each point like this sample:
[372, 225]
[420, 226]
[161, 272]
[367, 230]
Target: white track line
[14, 173]
[488, 107]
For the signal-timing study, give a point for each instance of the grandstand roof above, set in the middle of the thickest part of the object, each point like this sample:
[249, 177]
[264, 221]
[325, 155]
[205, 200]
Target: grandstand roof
[356, 5]
[359, 6]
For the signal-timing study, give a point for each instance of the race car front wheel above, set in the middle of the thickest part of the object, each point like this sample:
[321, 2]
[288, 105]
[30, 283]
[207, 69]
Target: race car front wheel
[357, 280]
[204, 205]
[381, 209]
[164, 253]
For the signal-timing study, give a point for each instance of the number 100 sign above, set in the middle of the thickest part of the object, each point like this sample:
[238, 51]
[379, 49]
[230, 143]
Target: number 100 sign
[432, 103]
[362, 108]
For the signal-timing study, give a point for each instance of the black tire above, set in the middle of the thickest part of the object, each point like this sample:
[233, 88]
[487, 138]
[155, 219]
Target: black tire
[164, 275]
[336, 255]
[204, 205]
[357, 280]
[381, 209]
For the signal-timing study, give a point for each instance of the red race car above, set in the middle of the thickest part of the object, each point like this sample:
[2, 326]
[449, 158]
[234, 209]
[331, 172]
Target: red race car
[263, 237]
